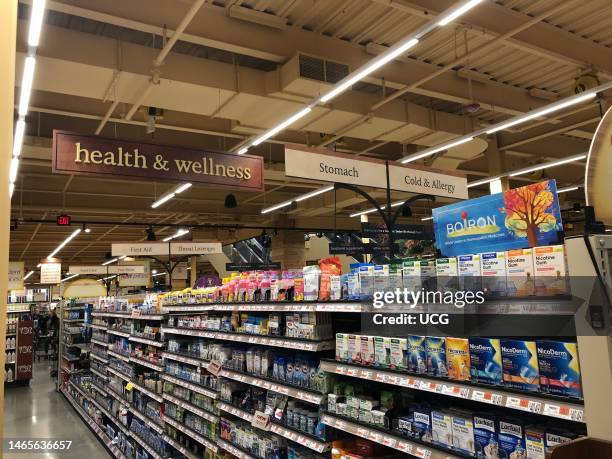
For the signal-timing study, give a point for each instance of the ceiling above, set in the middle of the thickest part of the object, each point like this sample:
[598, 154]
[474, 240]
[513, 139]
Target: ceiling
[240, 67]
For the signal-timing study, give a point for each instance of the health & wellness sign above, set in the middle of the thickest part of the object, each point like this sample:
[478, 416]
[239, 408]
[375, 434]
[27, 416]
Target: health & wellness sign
[523, 217]
[78, 154]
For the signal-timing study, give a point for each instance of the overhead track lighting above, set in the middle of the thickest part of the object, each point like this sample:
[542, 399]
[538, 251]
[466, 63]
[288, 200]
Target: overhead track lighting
[28, 275]
[18, 138]
[424, 219]
[113, 260]
[455, 13]
[567, 188]
[74, 234]
[171, 195]
[86, 228]
[69, 277]
[26, 85]
[369, 211]
[300, 198]
[437, 149]
[36, 19]
[179, 233]
[288, 122]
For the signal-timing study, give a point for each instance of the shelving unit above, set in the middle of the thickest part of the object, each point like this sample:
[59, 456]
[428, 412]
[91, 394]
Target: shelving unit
[74, 337]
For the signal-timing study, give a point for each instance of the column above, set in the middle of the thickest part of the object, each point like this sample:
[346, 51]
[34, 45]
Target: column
[496, 164]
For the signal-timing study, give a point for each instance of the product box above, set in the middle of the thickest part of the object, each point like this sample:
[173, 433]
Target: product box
[511, 438]
[421, 422]
[520, 364]
[485, 436]
[382, 351]
[458, 358]
[485, 361]
[428, 274]
[398, 353]
[534, 443]
[554, 436]
[395, 277]
[352, 282]
[519, 272]
[404, 425]
[550, 272]
[367, 350]
[447, 274]
[354, 348]
[442, 428]
[435, 349]
[366, 282]
[463, 431]
[559, 368]
[493, 272]
[342, 348]
[469, 273]
[411, 275]
[417, 356]
[381, 278]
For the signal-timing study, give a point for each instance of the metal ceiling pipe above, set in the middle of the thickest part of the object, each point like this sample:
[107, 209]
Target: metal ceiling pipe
[159, 60]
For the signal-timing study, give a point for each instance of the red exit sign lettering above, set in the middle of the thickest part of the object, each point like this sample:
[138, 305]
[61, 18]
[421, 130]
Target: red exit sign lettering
[63, 220]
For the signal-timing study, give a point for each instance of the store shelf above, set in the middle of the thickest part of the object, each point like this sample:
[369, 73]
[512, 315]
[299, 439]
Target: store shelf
[180, 448]
[119, 356]
[101, 390]
[70, 359]
[185, 359]
[125, 315]
[118, 373]
[144, 445]
[190, 332]
[74, 308]
[118, 397]
[146, 363]
[188, 308]
[339, 306]
[234, 450]
[387, 439]
[98, 327]
[71, 321]
[117, 333]
[147, 316]
[99, 343]
[555, 408]
[114, 420]
[96, 372]
[290, 434]
[192, 408]
[150, 342]
[194, 387]
[79, 389]
[98, 358]
[190, 433]
[106, 441]
[148, 392]
[280, 388]
[146, 419]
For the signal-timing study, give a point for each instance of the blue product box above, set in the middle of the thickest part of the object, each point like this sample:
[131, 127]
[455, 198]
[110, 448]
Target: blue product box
[559, 368]
[485, 361]
[520, 364]
[435, 348]
[421, 422]
[511, 438]
[486, 442]
[417, 357]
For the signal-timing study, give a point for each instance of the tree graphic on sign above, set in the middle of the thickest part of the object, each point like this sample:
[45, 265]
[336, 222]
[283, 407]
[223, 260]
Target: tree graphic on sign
[529, 209]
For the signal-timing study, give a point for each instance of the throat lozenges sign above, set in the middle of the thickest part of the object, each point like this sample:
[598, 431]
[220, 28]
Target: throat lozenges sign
[78, 154]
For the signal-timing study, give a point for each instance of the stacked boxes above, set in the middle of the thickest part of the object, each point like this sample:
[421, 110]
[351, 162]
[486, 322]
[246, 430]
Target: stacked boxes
[520, 364]
[486, 361]
[559, 368]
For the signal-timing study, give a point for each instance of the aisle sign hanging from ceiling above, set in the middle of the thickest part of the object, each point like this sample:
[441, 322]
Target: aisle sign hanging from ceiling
[321, 164]
[16, 272]
[50, 271]
[78, 154]
[165, 248]
[99, 270]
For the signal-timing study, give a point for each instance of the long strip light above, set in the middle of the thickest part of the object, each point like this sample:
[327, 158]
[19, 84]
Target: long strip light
[74, 234]
[172, 194]
[26, 85]
[18, 138]
[28, 275]
[36, 19]
[69, 277]
[113, 260]
[566, 189]
[300, 198]
[158, 274]
[179, 233]
[424, 219]
[373, 209]
[393, 52]
[437, 149]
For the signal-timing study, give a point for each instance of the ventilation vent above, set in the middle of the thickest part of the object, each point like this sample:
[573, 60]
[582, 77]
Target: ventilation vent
[322, 70]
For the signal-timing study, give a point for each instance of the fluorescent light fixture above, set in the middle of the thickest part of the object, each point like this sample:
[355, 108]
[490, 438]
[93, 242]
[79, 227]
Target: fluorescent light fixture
[365, 212]
[483, 181]
[28, 275]
[74, 234]
[543, 111]
[288, 122]
[18, 138]
[276, 207]
[69, 277]
[109, 277]
[39, 265]
[458, 12]
[424, 219]
[110, 261]
[381, 60]
[179, 233]
[13, 170]
[314, 193]
[182, 188]
[162, 200]
[11, 189]
[439, 148]
[26, 85]
[36, 19]
[243, 150]
[122, 257]
[566, 189]
[158, 274]
[538, 167]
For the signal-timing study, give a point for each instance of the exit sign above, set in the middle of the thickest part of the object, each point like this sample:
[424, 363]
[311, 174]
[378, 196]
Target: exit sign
[63, 220]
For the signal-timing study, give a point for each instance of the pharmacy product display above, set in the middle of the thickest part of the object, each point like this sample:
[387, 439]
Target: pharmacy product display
[19, 346]
[74, 339]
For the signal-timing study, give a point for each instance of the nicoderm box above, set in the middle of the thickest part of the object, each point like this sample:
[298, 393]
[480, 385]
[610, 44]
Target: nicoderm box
[550, 272]
[485, 436]
[519, 272]
[485, 361]
[511, 438]
[493, 272]
[447, 274]
[417, 357]
[520, 364]
[398, 353]
[469, 272]
[458, 358]
[559, 368]
[435, 348]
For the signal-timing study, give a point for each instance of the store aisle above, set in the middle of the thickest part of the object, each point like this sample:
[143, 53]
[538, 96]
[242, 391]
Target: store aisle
[39, 412]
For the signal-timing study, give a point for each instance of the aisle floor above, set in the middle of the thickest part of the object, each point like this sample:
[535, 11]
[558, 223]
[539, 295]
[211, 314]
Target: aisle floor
[39, 412]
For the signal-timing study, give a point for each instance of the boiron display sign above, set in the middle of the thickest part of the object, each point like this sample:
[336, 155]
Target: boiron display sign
[515, 219]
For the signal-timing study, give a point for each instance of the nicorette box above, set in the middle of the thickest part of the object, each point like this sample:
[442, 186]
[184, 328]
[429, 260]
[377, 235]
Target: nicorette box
[342, 347]
[398, 353]
[485, 361]
[469, 272]
[520, 364]
[382, 349]
[559, 368]
[511, 438]
[463, 431]
[458, 358]
[442, 428]
[417, 356]
[435, 349]
[447, 274]
[534, 443]
[493, 272]
[381, 278]
[485, 436]
[550, 272]
[519, 272]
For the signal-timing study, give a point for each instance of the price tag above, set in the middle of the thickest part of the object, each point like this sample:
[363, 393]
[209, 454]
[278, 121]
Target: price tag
[261, 420]
[365, 374]
[422, 453]
[405, 447]
[129, 386]
[380, 377]
[340, 370]
[391, 379]
[375, 436]
[429, 386]
[351, 372]
[576, 414]
[524, 404]
[214, 367]
[487, 397]
[136, 312]
[390, 442]
[362, 432]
